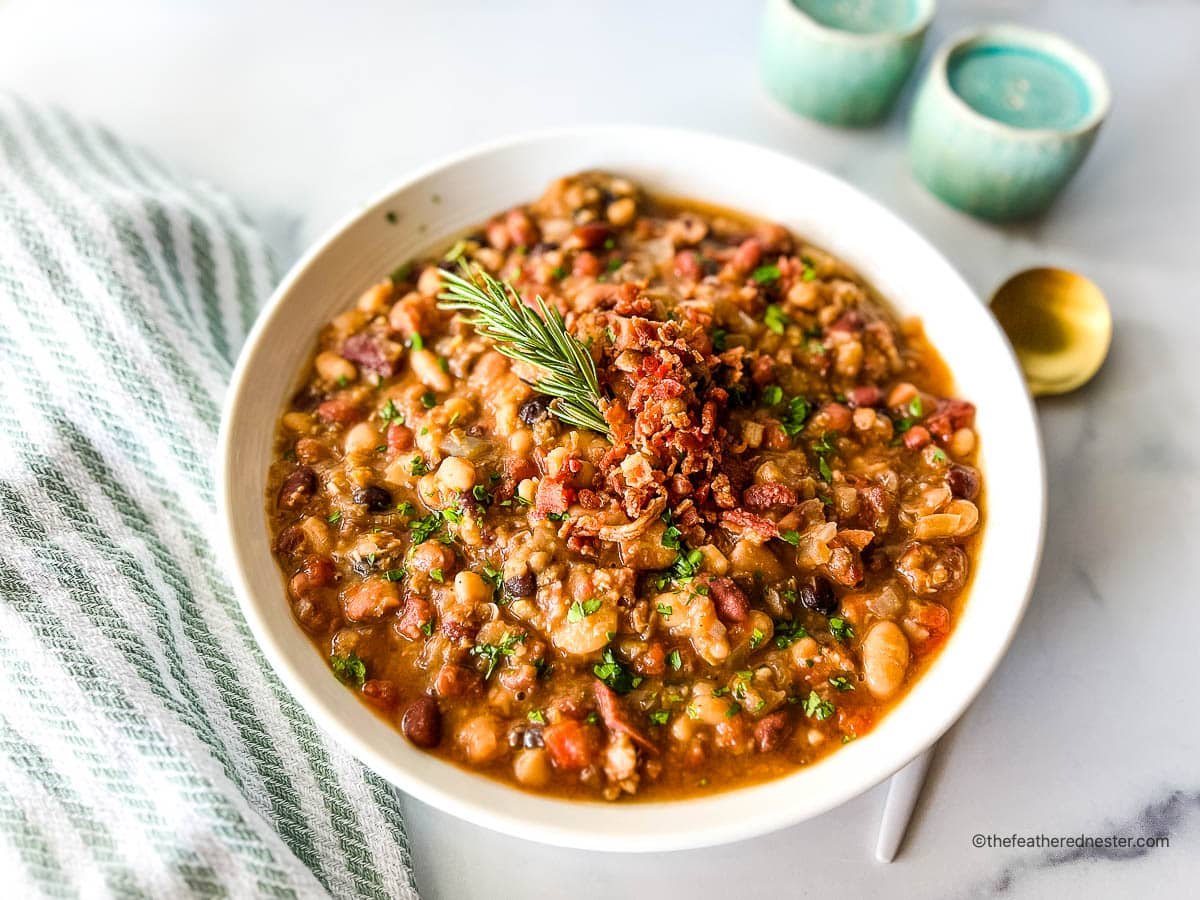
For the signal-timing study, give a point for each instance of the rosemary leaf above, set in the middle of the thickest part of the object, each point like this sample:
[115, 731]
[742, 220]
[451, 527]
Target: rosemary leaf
[542, 341]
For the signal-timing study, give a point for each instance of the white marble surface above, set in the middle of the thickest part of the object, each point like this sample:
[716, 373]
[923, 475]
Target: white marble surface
[1091, 723]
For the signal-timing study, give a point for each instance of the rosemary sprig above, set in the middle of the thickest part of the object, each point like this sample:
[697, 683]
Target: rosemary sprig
[542, 341]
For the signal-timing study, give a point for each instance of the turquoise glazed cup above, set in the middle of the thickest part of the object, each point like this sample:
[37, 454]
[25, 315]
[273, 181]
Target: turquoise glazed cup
[1003, 119]
[841, 61]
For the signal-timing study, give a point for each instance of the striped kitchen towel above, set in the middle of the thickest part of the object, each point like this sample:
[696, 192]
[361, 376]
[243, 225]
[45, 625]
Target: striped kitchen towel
[146, 749]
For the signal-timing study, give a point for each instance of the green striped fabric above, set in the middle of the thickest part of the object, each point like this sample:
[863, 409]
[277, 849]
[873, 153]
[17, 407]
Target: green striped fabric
[146, 750]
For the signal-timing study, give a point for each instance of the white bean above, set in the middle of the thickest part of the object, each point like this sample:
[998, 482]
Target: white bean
[884, 659]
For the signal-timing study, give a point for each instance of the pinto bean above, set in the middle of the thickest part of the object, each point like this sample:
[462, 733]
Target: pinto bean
[338, 411]
[771, 731]
[297, 489]
[370, 599]
[590, 235]
[380, 692]
[884, 659]
[730, 601]
[422, 723]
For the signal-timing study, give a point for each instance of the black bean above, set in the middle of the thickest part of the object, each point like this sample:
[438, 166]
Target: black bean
[543, 247]
[818, 596]
[374, 498]
[362, 566]
[963, 482]
[520, 586]
[533, 737]
[535, 409]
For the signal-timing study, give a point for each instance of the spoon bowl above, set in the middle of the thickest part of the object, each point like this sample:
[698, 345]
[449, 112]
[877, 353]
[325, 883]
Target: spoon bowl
[1059, 325]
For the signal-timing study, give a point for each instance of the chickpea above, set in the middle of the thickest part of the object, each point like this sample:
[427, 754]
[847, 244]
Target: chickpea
[714, 560]
[456, 474]
[480, 739]
[759, 628]
[299, 422]
[527, 489]
[376, 298]
[962, 443]
[430, 282]
[621, 212]
[431, 555]
[520, 442]
[706, 708]
[884, 659]
[362, 439]
[427, 368]
[456, 409]
[864, 418]
[902, 394]
[470, 589]
[532, 768]
[334, 368]
[802, 651]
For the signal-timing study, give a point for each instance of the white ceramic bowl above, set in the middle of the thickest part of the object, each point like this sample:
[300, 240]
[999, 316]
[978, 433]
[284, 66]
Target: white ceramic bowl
[443, 199]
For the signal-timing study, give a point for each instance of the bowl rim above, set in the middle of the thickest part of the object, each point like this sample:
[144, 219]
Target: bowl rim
[923, 14]
[498, 818]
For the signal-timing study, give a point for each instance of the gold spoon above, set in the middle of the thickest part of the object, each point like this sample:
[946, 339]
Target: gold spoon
[1059, 324]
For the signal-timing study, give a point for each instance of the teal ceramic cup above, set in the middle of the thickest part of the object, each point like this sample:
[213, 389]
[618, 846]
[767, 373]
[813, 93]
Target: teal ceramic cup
[1003, 118]
[841, 61]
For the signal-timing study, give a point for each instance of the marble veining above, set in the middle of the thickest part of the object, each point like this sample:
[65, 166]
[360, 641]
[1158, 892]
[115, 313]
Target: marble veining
[1090, 723]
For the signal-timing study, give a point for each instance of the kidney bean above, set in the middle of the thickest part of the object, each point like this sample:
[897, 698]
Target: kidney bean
[771, 731]
[586, 265]
[298, 488]
[371, 353]
[338, 411]
[289, 541]
[731, 601]
[818, 596]
[422, 723]
[590, 235]
[837, 416]
[963, 482]
[416, 613]
[521, 228]
[916, 437]
[687, 266]
[864, 395]
[454, 680]
[380, 692]
[747, 256]
[399, 437]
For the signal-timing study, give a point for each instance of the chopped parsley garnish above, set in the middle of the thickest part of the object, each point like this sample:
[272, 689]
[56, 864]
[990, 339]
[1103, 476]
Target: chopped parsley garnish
[406, 509]
[342, 381]
[793, 419]
[841, 629]
[493, 653]
[559, 272]
[788, 632]
[816, 708]
[825, 448]
[334, 517]
[772, 394]
[665, 609]
[675, 661]
[687, 565]
[719, 337]
[427, 628]
[593, 718]
[615, 263]
[916, 408]
[429, 399]
[671, 535]
[419, 466]
[416, 342]
[809, 272]
[436, 575]
[481, 494]
[939, 455]
[394, 574]
[790, 537]
[580, 610]
[841, 682]
[556, 516]
[425, 528]
[775, 319]
[349, 668]
[610, 334]
[756, 638]
[766, 274]
[536, 716]
[660, 716]
[615, 675]
[453, 515]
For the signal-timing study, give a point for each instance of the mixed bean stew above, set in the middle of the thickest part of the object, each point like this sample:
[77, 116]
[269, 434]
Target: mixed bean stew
[752, 564]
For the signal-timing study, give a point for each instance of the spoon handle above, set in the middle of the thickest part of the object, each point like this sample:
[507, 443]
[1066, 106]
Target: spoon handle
[898, 808]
